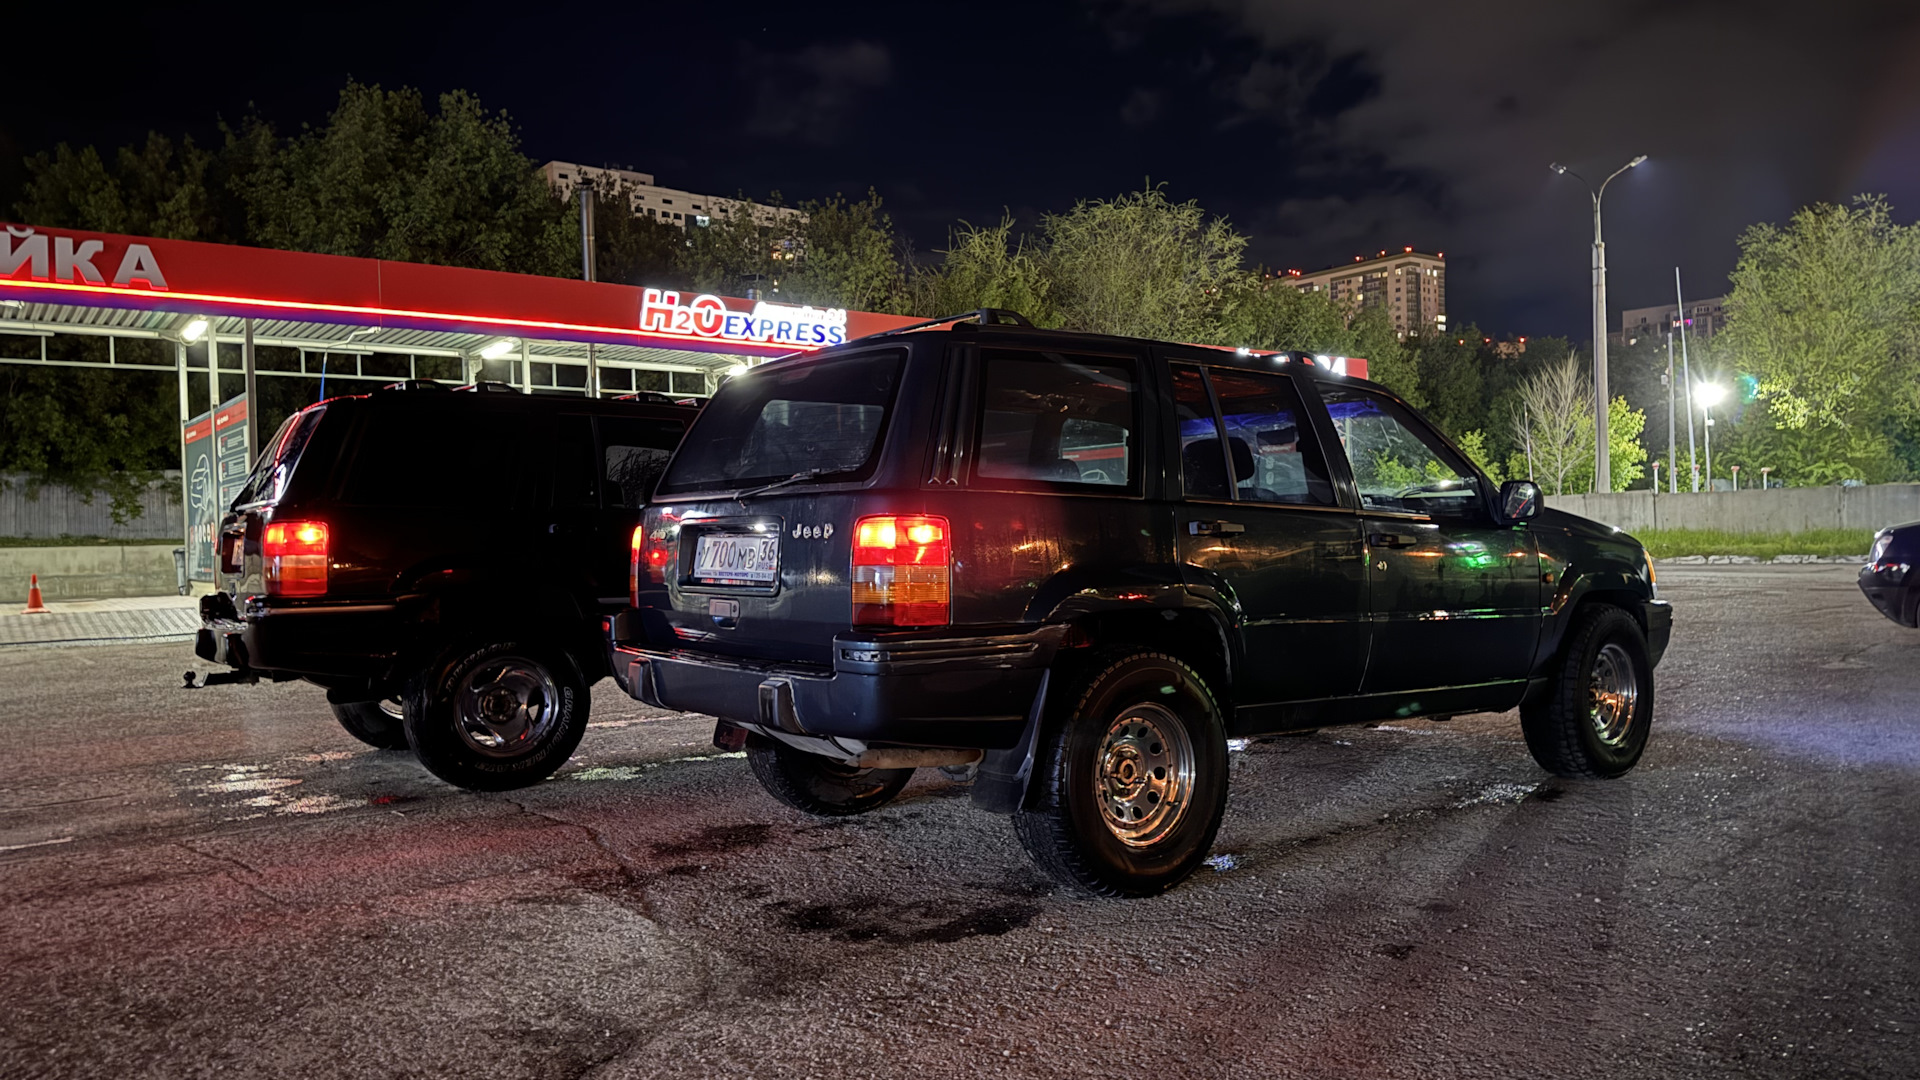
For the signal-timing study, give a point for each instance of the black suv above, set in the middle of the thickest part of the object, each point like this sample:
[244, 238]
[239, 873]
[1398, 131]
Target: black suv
[1082, 563]
[441, 561]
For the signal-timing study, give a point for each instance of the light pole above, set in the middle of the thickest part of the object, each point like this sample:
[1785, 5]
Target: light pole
[1709, 395]
[1602, 470]
[1764, 470]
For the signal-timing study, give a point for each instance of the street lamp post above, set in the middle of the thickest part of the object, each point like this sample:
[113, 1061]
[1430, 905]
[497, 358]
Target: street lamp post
[1602, 465]
[1764, 470]
[1709, 395]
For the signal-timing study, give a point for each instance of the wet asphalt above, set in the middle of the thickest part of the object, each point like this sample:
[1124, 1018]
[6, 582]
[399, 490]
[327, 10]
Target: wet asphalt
[221, 882]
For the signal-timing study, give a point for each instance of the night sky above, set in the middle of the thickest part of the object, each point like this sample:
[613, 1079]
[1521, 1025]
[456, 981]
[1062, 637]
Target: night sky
[1322, 130]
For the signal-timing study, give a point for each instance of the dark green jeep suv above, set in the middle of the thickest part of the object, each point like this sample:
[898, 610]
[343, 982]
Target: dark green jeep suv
[1082, 563]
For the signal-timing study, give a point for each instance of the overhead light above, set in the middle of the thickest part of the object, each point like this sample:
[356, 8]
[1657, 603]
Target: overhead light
[12, 303]
[1710, 394]
[193, 331]
[1636, 161]
[737, 370]
[497, 349]
[1558, 168]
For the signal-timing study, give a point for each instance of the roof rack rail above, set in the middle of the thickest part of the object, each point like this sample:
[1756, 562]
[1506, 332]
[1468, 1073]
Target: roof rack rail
[488, 386]
[986, 316]
[415, 384]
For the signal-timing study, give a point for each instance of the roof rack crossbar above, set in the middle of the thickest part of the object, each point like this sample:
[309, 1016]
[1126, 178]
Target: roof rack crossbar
[985, 316]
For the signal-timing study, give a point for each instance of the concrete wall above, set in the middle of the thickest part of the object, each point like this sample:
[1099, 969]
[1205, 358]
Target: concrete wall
[1774, 510]
[54, 511]
[83, 573]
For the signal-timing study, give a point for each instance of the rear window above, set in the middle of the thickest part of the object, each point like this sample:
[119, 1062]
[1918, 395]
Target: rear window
[451, 456]
[268, 481]
[824, 417]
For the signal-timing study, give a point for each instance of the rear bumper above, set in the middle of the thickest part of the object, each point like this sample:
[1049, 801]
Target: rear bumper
[328, 642]
[900, 689]
[1889, 587]
[1659, 620]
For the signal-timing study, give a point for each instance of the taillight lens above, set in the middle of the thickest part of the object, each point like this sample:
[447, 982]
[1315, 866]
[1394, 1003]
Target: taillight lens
[902, 570]
[652, 551]
[295, 554]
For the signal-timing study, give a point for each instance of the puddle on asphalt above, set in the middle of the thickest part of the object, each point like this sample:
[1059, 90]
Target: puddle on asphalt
[1224, 862]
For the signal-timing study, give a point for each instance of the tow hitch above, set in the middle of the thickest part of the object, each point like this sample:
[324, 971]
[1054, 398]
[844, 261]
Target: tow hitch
[222, 678]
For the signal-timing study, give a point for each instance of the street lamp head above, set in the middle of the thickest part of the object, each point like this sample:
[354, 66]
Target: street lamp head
[1558, 169]
[1636, 161]
[1710, 394]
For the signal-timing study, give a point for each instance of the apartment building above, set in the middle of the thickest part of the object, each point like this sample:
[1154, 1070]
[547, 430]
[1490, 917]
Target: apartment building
[672, 206]
[1411, 285]
[1705, 318]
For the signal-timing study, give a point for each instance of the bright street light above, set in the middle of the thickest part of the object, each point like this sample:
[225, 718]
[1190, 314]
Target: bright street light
[1709, 394]
[1602, 471]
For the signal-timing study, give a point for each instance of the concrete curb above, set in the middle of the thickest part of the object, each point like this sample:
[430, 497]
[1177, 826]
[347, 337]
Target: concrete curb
[1742, 560]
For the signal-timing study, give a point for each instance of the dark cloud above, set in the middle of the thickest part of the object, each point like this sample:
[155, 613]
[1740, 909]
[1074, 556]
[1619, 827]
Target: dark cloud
[1410, 121]
[1141, 108]
[813, 95]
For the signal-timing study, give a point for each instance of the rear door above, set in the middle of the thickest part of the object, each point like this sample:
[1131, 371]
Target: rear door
[1261, 522]
[1455, 593]
[757, 506]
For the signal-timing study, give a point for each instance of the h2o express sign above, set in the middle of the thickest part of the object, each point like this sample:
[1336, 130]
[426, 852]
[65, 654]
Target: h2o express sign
[708, 316]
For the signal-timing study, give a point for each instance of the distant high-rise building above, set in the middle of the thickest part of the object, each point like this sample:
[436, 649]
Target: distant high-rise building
[670, 206]
[1705, 318]
[1411, 285]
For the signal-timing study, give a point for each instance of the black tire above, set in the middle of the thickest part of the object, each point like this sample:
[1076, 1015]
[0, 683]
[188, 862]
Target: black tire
[1103, 765]
[1575, 731]
[372, 723]
[819, 785]
[497, 716]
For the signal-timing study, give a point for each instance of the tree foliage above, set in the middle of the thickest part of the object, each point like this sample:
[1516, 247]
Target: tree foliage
[1141, 265]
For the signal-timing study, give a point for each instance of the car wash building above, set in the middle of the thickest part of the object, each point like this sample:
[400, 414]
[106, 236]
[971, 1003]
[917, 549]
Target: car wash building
[251, 335]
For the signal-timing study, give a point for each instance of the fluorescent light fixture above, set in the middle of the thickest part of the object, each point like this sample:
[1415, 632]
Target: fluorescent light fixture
[193, 331]
[737, 370]
[497, 349]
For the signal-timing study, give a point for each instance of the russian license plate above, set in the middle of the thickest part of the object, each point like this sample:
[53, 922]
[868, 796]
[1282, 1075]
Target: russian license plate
[736, 560]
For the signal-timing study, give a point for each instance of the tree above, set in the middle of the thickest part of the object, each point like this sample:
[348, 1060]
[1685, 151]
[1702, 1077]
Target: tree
[741, 252]
[1548, 427]
[1140, 265]
[388, 178]
[634, 249]
[93, 430]
[151, 190]
[846, 257]
[985, 267]
[1450, 372]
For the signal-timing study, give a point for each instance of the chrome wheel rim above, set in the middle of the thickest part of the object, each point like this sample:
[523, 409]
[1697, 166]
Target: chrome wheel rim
[392, 708]
[1615, 691]
[506, 706]
[1143, 777]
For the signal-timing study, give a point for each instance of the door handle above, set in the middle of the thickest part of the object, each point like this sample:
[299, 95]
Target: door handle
[1215, 528]
[1392, 540]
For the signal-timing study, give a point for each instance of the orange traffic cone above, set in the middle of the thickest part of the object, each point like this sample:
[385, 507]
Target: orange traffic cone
[34, 604]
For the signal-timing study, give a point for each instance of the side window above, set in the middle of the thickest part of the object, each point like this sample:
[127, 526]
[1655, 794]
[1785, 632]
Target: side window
[1203, 461]
[1398, 463]
[1056, 418]
[1275, 457]
[428, 457]
[633, 454]
[576, 472]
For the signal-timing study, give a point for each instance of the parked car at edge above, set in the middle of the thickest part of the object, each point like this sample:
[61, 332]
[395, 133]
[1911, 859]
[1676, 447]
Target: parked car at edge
[1082, 563]
[1888, 578]
[441, 562]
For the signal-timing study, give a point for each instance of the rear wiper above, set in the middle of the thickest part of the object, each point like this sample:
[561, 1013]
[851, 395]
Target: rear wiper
[809, 474]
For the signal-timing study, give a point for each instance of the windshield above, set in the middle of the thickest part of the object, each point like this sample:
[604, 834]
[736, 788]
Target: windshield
[770, 424]
[268, 481]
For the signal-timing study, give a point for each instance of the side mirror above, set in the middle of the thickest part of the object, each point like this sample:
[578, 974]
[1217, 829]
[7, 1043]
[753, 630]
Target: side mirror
[1519, 500]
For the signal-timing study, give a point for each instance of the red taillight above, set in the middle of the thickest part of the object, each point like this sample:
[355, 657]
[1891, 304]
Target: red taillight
[295, 554]
[901, 570]
[651, 553]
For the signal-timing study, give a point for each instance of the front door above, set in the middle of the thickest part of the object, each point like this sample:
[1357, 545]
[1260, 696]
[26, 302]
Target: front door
[1455, 593]
[1261, 525]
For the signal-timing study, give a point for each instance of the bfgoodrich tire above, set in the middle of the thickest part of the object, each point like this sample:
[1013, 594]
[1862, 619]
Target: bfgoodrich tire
[818, 785]
[376, 723]
[1598, 710]
[497, 716]
[1131, 781]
